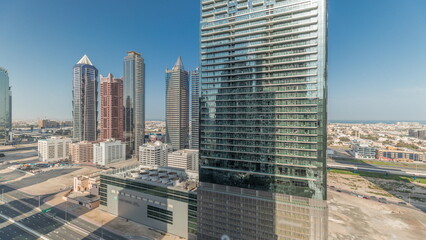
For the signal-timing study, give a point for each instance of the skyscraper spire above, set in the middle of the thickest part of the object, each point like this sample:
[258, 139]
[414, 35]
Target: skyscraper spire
[85, 60]
[178, 64]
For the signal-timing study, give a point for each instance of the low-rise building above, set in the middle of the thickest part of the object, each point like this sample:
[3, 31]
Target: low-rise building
[360, 150]
[109, 151]
[85, 184]
[417, 133]
[394, 154]
[154, 152]
[186, 159]
[161, 198]
[46, 123]
[54, 149]
[81, 152]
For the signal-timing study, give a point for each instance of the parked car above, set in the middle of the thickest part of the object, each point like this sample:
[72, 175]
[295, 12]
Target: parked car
[402, 203]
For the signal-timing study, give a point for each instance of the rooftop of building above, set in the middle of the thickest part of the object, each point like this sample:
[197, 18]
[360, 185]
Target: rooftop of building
[156, 143]
[133, 52]
[55, 138]
[182, 151]
[109, 140]
[110, 78]
[168, 177]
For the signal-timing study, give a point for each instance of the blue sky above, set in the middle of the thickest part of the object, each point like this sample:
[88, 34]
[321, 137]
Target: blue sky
[377, 63]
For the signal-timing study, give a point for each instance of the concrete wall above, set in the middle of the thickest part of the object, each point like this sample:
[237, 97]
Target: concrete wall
[133, 205]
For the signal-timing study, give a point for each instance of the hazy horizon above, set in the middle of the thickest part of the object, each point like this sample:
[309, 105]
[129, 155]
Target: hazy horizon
[376, 66]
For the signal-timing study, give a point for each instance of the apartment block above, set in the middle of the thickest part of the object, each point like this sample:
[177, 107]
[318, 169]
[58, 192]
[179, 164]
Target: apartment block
[186, 159]
[81, 152]
[109, 151]
[154, 152]
[54, 149]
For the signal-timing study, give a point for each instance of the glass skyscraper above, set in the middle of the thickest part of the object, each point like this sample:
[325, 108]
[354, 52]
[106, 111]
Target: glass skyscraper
[5, 106]
[177, 106]
[263, 119]
[85, 100]
[134, 102]
[195, 108]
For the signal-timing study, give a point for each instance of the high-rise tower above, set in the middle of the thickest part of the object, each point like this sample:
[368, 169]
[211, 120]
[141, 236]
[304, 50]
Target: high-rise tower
[195, 108]
[5, 106]
[85, 100]
[10, 108]
[177, 106]
[112, 109]
[263, 120]
[134, 102]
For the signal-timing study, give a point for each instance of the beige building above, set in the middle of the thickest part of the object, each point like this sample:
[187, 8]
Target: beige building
[86, 184]
[393, 154]
[81, 152]
[46, 123]
[186, 159]
[54, 149]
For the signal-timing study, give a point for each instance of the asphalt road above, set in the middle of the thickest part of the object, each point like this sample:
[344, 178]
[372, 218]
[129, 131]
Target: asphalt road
[11, 231]
[378, 167]
[38, 222]
[50, 224]
[339, 153]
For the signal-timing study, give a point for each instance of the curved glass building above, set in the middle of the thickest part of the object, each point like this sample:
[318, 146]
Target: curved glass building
[263, 119]
[5, 106]
[134, 102]
[195, 108]
[85, 100]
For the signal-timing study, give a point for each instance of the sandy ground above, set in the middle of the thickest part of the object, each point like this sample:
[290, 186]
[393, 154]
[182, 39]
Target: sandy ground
[111, 222]
[8, 147]
[51, 181]
[352, 218]
[392, 190]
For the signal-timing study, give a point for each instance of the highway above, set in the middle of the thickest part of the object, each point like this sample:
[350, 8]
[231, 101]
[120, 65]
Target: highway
[55, 225]
[11, 231]
[37, 221]
[348, 165]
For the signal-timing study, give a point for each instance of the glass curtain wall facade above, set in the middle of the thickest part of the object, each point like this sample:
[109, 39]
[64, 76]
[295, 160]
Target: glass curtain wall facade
[263, 119]
[195, 108]
[10, 108]
[5, 106]
[85, 100]
[134, 102]
[177, 106]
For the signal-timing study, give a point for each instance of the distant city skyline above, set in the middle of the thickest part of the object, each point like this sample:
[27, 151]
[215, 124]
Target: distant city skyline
[369, 77]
